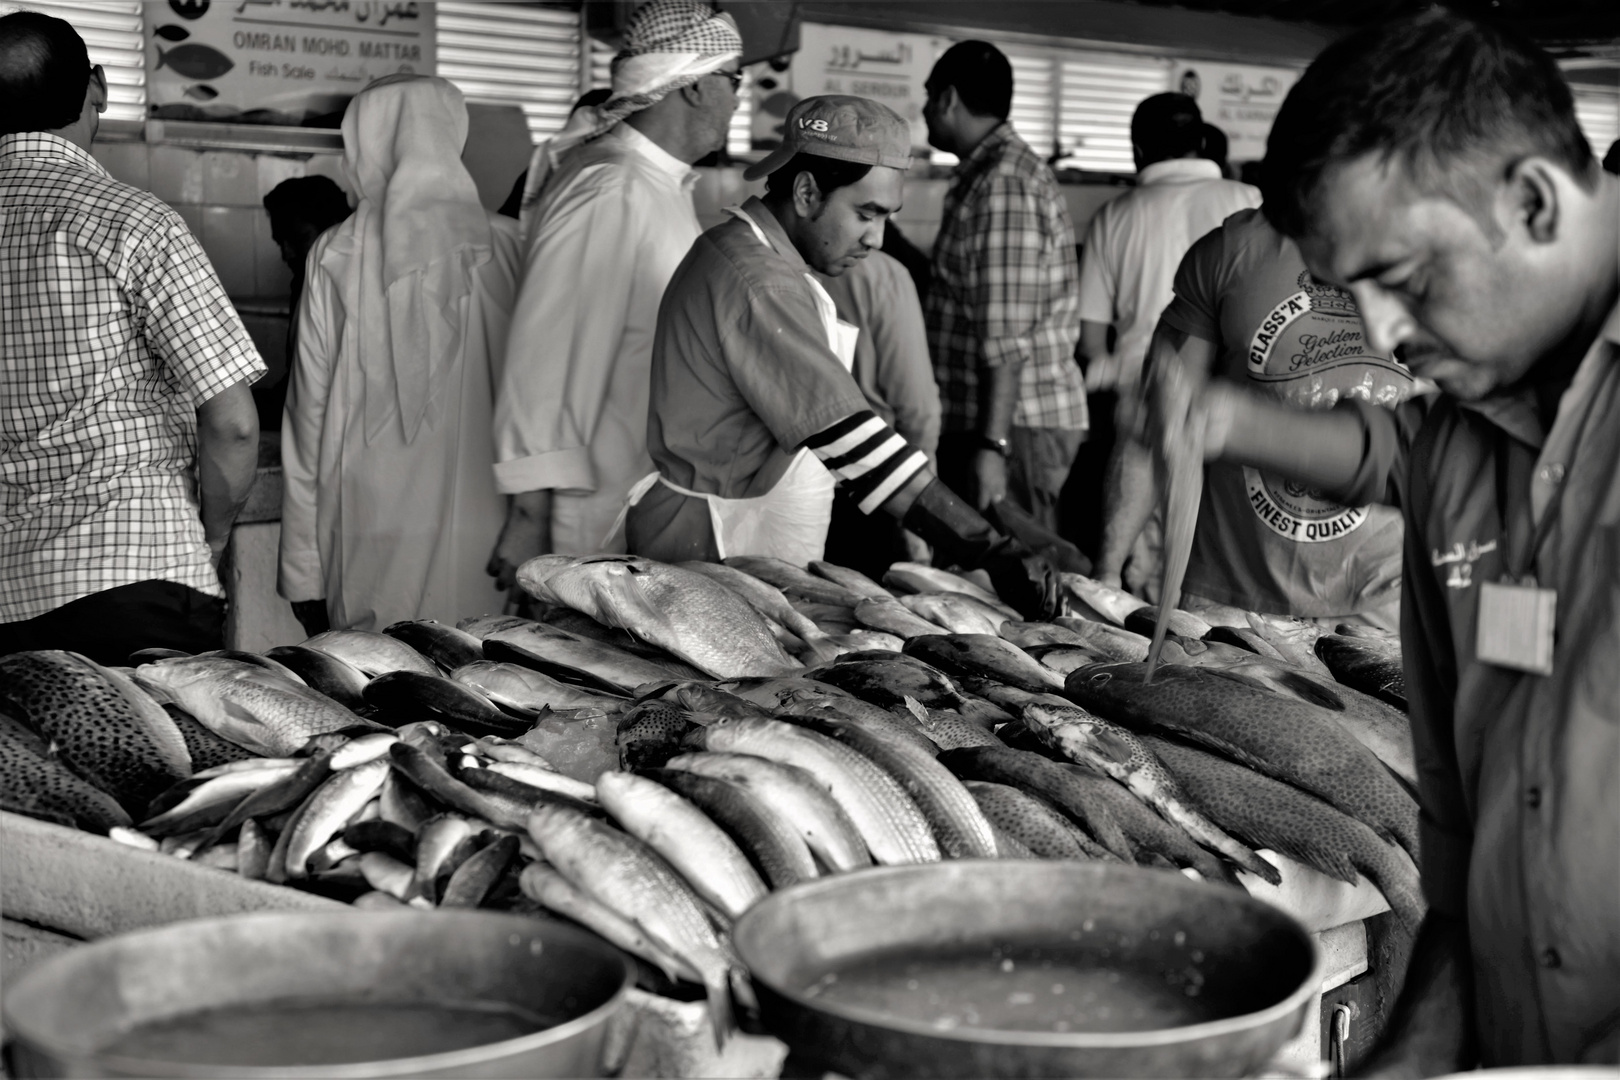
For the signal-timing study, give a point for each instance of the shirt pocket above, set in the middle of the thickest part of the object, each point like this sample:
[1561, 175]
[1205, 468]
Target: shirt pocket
[1596, 596]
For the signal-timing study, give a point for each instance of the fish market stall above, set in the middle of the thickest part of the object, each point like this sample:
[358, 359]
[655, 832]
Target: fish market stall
[660, 750]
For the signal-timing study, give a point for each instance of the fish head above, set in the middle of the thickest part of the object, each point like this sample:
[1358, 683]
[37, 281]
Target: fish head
[536, 572]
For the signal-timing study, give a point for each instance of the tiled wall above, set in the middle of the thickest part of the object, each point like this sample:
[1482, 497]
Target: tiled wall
[220, 195]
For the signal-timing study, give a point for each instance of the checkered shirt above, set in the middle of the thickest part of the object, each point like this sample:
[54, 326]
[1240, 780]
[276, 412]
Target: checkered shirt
[1006, 288]
[113, 330]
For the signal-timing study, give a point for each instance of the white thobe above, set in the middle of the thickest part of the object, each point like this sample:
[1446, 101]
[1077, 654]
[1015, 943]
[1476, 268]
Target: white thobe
[571, 410]
[391, 530]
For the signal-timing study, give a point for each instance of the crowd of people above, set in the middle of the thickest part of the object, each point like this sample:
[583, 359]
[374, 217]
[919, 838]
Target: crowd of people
[1403, 348]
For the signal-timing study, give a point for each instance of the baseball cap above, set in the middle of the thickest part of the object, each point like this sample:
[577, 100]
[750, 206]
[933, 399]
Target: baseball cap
[841, 127]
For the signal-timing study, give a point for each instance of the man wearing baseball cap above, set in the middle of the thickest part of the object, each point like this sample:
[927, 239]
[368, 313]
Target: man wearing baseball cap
[753, 415]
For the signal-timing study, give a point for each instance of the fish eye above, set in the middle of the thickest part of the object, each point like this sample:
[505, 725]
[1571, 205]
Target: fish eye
[1101, 678]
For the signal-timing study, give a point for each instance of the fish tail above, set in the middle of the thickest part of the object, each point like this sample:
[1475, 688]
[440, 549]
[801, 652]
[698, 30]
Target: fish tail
[162, 56]
[1400, 885]
[722, 1014]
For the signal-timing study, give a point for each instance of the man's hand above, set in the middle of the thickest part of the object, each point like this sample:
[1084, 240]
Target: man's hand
[917, 549]
[1026, 581]
[989, 479]
[526, 534]
[311, 615]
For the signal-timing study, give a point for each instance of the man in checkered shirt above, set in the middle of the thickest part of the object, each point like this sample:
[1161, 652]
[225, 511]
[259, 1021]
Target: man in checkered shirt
[128, 437]
[1003, 309]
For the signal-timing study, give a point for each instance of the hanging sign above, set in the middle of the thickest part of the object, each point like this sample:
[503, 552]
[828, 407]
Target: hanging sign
[1240, 99]
[886, 67]
[277, 61]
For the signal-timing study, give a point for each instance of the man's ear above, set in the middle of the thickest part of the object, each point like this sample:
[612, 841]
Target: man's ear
[807, 197]
[1532, 199]
[96, 92]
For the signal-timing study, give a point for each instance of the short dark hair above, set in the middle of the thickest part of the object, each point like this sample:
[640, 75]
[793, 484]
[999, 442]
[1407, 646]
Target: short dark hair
[315, 200]
[44, 73]
[1167, 126]
[981, 74]
[1611, 160]
[830, 174]
[1454, 100]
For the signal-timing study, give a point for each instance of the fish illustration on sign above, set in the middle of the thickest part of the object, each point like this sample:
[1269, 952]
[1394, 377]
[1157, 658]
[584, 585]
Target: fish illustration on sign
[195, 61]
[172, 32]
[201, 92]
[189, 9]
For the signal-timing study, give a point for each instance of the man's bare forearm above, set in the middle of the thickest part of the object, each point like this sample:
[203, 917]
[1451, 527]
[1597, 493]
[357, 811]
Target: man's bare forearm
[998, 397]
[1431, 1030]
[227, 458]
[1320, 448]
[1128, 501]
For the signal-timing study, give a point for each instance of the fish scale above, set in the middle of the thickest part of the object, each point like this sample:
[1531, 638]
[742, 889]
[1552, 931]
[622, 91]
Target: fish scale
[1032, 825]
[33, 784]
[99, 732]
[250, 706]
[1284, 738]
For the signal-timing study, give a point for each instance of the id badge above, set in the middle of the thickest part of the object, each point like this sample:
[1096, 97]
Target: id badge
[1516, 626]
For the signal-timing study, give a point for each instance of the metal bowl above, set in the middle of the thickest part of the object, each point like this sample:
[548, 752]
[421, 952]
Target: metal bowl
[1248, 972]
[66, 1014]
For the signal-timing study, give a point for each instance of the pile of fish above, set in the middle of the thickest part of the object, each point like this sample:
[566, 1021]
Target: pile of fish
[662, 745]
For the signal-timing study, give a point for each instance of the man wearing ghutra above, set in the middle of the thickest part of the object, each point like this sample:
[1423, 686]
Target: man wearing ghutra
[608, 217]
[390, 505]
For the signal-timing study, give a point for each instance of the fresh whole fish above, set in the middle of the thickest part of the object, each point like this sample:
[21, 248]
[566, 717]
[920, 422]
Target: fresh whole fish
[794, 793]
[1116, 752]
[772, 843]
[769, 601]
[696, 847]
[386, 874]
[1111, 603]
[833, 619]
[360, 750]
[1379, 727]
[523, 691]
[1153, 840]
[887, 679]
[1281, 737]
[1181, 623]
[1027, 635]
[652, 732]
[430, 775]
[103, 727]
[706, 699]
[1294, 639]
[949, 730]
[285, 793]
[893, 827]
[376, 834]
[252, 851]
[1013, 813]
[988, 655]
[502, 750]
[958, 825]
[481, 626]
[406, 696]
[217, 794]
[434, 842]
[546, 887]
[1079, 798]
[590, 663]
[1268, 813]
[1116, 643]
[146, 656]
[446, 646]
[1009, 848]
[958, 616]
[861, 638]
[1089, 848]
[475, 877]
[510, 801]
[246, 764]
[249, 706]
[1367, 661]
[33, 783]
[912, 577]
[623, 874]
[1244, 638]
[690, 616]
[544, 779]
[337, 679]
[1065, 658]
[893, 617]
[853, 580]
[1003, 696]
[259, 660]
[329, 810]
[982, 711]
[796, 580]
[371, 652]
[402, 804]
[205, 749]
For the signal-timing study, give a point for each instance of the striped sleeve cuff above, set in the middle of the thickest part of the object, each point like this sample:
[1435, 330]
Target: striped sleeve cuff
[868, 457]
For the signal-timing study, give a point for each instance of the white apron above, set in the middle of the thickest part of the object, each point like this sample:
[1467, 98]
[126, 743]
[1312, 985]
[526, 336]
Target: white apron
[790, 521]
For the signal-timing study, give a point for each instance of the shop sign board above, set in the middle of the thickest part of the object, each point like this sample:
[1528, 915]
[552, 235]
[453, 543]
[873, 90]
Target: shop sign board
[1240, 99]
[277, 61]
[878, 64]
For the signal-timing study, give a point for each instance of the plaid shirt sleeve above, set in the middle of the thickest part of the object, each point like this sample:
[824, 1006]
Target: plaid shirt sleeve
[1010, 290]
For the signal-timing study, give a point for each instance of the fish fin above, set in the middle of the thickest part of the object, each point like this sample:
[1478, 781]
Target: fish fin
[916, 708]
[1309, 690]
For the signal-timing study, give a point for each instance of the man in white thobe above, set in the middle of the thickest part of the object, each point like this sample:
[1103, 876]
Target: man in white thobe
[389, 504]
[610, 218]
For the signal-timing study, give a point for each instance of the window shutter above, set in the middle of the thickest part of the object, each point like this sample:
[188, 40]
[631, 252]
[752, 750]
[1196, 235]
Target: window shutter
[1034, 103]
[1099, 94]
[1598, 112]
[112, 33]
[509, 54]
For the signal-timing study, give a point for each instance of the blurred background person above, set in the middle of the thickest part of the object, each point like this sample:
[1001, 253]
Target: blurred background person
[300, 210]
[390, 507]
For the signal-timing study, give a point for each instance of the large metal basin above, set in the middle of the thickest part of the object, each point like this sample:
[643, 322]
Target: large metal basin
[1256, 967]
[64, 1013]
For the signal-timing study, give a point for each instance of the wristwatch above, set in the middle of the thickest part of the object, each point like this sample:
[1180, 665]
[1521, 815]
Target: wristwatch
[1000, 446]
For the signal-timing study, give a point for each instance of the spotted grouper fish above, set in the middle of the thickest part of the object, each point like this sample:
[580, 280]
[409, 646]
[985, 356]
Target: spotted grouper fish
[32, 783]
[691, 616]
[1282, 737]
[106, 729]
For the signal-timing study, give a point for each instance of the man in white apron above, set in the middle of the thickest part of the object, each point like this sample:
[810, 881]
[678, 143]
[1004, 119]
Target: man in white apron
[753, 415]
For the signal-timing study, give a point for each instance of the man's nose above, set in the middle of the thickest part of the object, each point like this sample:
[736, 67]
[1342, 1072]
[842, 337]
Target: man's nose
[872, 235]
[1384, 317]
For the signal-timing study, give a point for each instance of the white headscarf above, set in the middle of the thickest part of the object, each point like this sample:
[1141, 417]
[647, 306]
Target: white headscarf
[422, 232]
[668, 44]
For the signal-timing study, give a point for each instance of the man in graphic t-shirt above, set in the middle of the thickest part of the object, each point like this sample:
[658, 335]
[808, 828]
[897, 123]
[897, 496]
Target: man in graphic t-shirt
[1246, 310]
